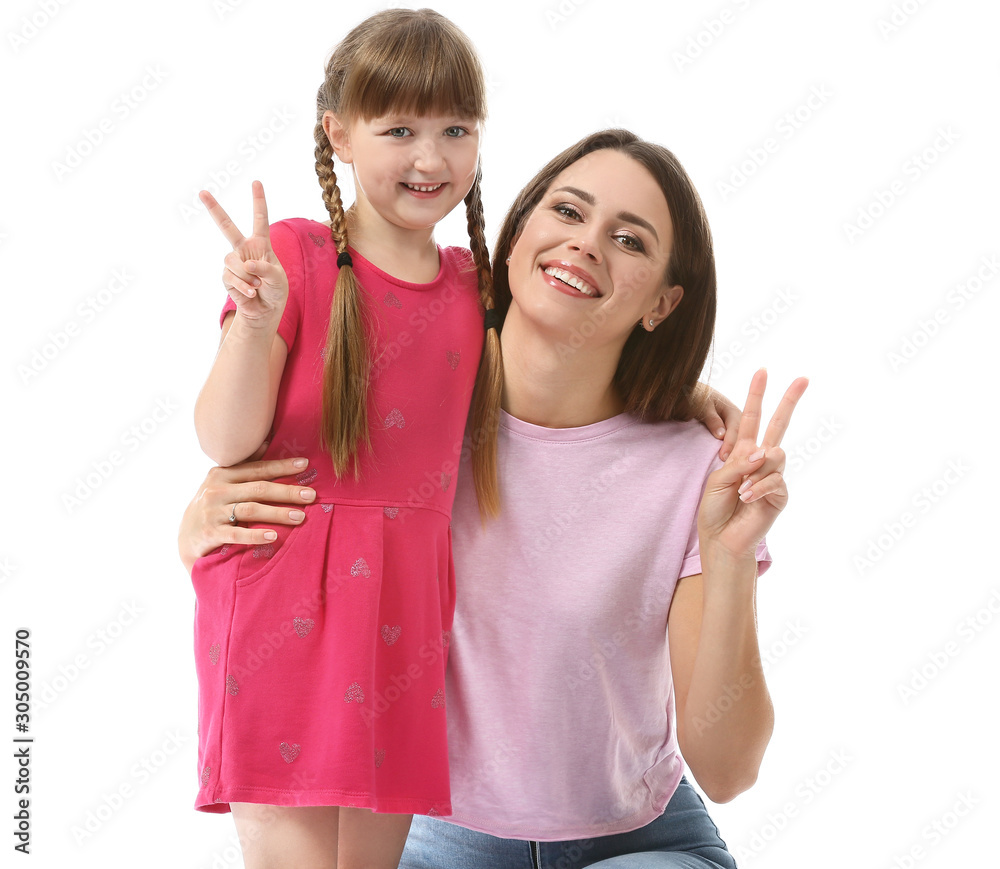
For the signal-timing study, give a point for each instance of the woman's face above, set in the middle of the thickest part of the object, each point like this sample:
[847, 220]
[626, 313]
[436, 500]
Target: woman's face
[592, 256]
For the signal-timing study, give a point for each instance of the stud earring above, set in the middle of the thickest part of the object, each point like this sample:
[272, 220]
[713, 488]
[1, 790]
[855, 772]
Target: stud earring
[650, 324]
[508, 260]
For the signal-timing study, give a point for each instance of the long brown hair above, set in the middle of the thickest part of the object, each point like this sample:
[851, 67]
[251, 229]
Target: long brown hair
[415, 62]
[658, 371]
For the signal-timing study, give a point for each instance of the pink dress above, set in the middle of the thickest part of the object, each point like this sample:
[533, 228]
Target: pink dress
[321, 657]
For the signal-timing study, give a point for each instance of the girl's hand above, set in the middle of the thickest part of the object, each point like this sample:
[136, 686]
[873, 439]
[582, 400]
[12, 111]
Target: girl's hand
[744, 497]
[253, 277]
[720, 416]
[240, 489]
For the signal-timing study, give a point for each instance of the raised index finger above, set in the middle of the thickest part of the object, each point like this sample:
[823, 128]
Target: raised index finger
[779, 422]
[222, 220]
[260, 224]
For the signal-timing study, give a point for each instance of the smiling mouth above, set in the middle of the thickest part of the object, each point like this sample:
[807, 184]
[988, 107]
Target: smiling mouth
[572, 281]
[423, 188]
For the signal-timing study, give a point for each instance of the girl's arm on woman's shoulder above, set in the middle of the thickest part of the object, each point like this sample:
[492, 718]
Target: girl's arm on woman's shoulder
[719, 415]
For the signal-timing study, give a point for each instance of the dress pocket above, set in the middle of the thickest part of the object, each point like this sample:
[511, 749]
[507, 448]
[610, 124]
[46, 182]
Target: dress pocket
[258, 562]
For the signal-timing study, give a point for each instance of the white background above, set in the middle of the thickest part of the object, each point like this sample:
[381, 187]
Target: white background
[857, 597]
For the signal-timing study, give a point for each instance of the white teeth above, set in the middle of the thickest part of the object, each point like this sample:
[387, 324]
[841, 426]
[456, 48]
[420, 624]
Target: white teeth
[572, 280]
[424, 188]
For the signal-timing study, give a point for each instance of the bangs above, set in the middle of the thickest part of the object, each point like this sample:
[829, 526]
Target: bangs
[419, 70]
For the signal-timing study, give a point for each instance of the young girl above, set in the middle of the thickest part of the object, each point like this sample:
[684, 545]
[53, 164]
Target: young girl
[321, 655]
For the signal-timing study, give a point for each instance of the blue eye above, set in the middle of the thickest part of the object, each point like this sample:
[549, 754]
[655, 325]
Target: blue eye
[399, 132]
[456, 132]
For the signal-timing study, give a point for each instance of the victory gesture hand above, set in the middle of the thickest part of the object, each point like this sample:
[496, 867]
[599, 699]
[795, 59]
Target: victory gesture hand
[744, 497]
[253, 277]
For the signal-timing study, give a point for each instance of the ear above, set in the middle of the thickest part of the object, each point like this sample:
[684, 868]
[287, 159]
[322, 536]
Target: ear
[513, 243]
[338, 137]
[666, 301]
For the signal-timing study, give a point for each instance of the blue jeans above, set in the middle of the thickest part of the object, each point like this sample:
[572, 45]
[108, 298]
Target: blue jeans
[683, 837]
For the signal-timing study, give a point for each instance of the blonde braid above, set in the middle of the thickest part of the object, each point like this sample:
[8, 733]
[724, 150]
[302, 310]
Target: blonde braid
[347, 365]
[485, 415]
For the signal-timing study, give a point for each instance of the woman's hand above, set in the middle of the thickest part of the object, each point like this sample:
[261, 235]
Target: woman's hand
[719, 415]
[744, 497]
[239, 490]
[253, 277]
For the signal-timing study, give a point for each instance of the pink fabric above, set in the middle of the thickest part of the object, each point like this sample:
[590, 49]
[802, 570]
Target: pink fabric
[561, 701]
[321, 657]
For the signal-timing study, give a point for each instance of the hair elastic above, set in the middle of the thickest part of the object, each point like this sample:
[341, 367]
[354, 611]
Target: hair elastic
[491, 320]
[344, 259]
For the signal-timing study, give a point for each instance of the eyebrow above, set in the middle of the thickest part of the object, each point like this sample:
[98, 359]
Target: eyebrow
[627, 216]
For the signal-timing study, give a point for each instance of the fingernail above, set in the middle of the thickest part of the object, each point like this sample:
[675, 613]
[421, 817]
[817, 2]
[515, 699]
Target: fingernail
[720, 432]
[307, 494]
[756, 457]
[256, 282]
[746, 496]
[270, 535]
[300, 463]
[296, 515]
[744, 487]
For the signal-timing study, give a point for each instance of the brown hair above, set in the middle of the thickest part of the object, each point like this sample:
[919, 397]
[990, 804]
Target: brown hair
[417, 62]
[658, 371]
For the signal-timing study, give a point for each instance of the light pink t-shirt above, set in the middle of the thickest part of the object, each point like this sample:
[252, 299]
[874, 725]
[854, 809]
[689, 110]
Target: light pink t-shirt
[560, 696]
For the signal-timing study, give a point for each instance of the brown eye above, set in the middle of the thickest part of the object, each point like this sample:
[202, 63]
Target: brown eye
[630, 242]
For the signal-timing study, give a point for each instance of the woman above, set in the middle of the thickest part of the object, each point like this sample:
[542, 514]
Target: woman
[617, 587]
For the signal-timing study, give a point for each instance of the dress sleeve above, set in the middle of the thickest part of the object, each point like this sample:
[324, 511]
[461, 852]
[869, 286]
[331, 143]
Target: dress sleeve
[286, 247]
[692, 555]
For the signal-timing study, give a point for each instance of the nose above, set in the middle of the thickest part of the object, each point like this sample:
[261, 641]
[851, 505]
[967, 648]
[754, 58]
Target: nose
[428, 157]
[587, 243]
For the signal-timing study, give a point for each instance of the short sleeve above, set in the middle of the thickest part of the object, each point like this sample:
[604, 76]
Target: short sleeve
[692, 558]
[286, 247]
[692, 554]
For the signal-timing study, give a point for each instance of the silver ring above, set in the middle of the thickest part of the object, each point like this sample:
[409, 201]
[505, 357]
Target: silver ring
[232, 516]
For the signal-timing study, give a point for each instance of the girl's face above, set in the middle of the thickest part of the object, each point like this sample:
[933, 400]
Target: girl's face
[591, 258]
[410, 170]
